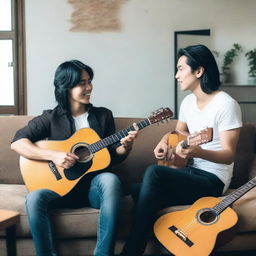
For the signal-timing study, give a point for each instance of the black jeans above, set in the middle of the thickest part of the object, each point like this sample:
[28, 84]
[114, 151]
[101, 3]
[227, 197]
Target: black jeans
[161, 187]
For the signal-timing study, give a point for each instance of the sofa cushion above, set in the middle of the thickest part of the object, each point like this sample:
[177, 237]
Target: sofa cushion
[245, 207]
[9, 160]
[74, 223]
[132, 169]
[244, 156]
[82, 222]
[12, 197]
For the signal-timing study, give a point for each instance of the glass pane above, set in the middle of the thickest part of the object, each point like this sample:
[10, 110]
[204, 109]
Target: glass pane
[6, 73]
[6, 15]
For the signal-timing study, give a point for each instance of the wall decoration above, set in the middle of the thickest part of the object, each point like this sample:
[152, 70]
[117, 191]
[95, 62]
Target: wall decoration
[96, 15]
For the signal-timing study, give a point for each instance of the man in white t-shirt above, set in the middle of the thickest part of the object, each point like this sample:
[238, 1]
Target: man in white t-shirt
[211, 171]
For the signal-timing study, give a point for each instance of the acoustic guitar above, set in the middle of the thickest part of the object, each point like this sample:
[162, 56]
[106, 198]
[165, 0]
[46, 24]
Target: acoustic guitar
[203, 227]
[87, 145]
[175, 137]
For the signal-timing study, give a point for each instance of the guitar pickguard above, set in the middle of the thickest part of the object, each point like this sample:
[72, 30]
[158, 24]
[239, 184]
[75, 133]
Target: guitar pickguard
[77, 170]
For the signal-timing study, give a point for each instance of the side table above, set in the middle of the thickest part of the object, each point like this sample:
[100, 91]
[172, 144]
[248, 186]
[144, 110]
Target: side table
[8, 220]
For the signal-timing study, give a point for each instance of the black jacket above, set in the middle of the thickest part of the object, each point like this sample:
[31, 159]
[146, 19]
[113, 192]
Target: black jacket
[58, 124]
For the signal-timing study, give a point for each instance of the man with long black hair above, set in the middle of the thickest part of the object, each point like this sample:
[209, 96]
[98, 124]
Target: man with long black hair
[211, 172]
[101, 190]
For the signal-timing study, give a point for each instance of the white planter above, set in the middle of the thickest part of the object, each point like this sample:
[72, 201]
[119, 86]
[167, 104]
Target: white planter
[252, 80]
[225, 77]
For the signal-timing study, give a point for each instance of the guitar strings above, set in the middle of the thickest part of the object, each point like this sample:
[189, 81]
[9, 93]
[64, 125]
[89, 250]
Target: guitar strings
[185, 228]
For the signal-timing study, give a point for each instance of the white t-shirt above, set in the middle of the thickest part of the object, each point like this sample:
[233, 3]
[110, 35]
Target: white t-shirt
[221, 113]
[81, 121]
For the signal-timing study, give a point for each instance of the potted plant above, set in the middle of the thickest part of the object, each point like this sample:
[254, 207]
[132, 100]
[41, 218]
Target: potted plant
[251, 57]
[228, 60]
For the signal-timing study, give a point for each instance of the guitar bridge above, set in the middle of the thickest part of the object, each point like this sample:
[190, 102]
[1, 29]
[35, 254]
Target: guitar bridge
[54, 170]
[181, 235]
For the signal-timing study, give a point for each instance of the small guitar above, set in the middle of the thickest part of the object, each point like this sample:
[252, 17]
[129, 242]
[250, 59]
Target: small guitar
[206, 225]
[175, 137]
[87, 145]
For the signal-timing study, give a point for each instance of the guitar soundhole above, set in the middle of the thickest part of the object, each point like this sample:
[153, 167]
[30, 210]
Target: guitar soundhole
[207, 216]
[82, 151]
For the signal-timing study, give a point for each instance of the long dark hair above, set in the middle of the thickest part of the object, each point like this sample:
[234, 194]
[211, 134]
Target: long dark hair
[201, 56]
[67, 76]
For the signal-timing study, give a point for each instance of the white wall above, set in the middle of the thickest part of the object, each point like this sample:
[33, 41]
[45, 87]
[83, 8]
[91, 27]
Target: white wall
[134, 67]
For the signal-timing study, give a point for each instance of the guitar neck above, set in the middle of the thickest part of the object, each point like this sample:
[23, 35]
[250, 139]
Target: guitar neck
[235, 195]
[116, 137]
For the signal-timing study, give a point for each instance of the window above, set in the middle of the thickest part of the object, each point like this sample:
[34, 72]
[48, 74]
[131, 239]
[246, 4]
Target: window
[12, 58]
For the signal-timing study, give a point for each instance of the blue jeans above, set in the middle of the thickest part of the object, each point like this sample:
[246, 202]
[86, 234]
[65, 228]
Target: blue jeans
[104, 193]
[162, 187]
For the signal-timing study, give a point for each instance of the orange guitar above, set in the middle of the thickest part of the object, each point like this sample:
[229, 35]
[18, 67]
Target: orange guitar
[86, 144]
[175, 137]
[198, 230]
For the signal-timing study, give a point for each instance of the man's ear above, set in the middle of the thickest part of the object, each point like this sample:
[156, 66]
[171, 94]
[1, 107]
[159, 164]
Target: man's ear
[199, 72]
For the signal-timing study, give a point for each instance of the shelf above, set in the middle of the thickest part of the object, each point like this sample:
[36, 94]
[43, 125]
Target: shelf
[237, 85]
[245, 95]
[246, 102]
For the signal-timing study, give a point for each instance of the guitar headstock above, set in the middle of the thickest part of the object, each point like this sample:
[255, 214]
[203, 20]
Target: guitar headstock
[201, 137]
[160, 115]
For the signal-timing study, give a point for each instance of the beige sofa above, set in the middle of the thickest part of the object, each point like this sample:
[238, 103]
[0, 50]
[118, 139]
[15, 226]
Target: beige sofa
[76, 229]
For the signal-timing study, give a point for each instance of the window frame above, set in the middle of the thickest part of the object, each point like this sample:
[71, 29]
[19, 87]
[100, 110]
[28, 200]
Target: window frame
[17, 35]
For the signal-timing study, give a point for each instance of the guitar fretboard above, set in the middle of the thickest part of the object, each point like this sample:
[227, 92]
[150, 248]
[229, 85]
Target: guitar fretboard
[114, 138]
[235, 195]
